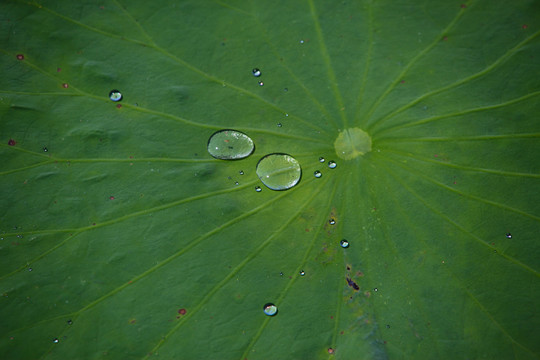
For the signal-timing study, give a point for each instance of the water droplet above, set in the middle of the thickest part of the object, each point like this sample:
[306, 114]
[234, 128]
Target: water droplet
[55, 340]
[321, 159]
[261, 83]
[344, 243]
[508, 235]
[332, 222]
[45, 149]
[230, 145]
[256, 72]
[270, 309]
[30, 269]
[301, 41]
[279, 125]
[281, 274]
[317, 174]
[115, 95]
[375, 289]
[286, 89]
[236, 183]
[332, 164]
[258, 189]
[70, 322]
[241, 172]
[279, 171]
[302, 273]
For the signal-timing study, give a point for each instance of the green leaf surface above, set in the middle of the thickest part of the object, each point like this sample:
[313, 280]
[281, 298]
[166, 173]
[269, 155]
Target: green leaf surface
[121, 237]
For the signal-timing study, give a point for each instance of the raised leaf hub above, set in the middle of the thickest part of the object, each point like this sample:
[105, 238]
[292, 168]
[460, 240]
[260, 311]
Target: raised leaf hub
[352, 143]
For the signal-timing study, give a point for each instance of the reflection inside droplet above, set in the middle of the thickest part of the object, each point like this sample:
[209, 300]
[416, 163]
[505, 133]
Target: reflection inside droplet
[230, 145]
[115, 95]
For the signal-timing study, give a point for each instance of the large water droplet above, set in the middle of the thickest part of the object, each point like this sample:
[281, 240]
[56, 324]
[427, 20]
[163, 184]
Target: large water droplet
[317, 174]
[279, 171]
[270, 309]
[256, 72]
[230, 145]
[344, 243]
[115, 95]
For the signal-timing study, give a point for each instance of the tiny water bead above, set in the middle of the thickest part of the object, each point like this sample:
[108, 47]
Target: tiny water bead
[344, 243]
[332, 221]
[230, 145]
[279, 171]
[321, 159]
[352, 143]
[55, 340]
[302, 273]
[508, 235]
[332, 164]
[45, 149]
[115, 95]
[317, 174]
[258, 189]
[256, 72]
[270, 309]
[241, 172]
[70, 322]
[261, 83]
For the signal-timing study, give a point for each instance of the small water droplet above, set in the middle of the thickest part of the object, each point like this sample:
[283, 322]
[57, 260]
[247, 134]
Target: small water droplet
[270, 309]
[279, 171]
[70, 322]
[261, 83]
[375, 289]
[301, 41]
[332, 221]
[286, 114]
[317, 174]
[115, 95]
[279, 125]
[302, 273]
[30, 269]
[236, 183]
[321, 159]
[281, 274]
[344, 243]
[241, 172]
[508, 235]
[55, 340]
[45, 149]
[256, 72]
[332, 164]
[286, 89]
[258, 189]
[230, 145]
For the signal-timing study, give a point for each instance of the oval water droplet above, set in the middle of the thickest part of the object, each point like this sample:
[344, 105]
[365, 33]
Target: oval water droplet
[241, 172]
[302, 273]
[317, 174]
[321, 159]
[344, 243]
[230, 145]
[508, 235]
[261, 83]
[258, 189]
[270, 309]
[279, 171]
[115, 95]
[332, 222]
[279, 125]
[332, 164]
[256, 72]
[70, 322]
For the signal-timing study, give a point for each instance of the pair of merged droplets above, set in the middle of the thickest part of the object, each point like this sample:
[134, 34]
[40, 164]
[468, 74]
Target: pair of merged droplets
[277, 171]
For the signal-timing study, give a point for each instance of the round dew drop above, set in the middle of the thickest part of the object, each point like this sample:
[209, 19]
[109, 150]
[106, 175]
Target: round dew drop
[261, 83]
[332, 222]
[344, 243]
[302, 273]
[332, 164]
[115, 95]
[321, 159]
[279, 171]
[270, 309]
[256, 72]
[230, 145]
[317, 174]
[258, 189]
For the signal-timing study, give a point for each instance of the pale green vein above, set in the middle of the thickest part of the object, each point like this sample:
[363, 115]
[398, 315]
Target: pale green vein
[400, 76]
[228, 6]
[501, 60]
[455, 114]
[369, 55]
[33, 166]
[330, 70]
[488, 202]
[9, 92]
[131, 216]
[463, 167]
[309, 94]
[239, 267]
[128, 15]
[461, 138]
[403, 269]
[303, 262]
[458, 280]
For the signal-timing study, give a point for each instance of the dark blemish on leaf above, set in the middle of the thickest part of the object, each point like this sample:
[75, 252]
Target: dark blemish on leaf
[348, 268]
[93, 224]
[402, 81]
[463, 6]
[11, 142]
[58, 69]
[331, 351]
[445, 38]
[182, 311]
[119, 106]
[111, 197]
[342, 332]
[70, 322]
[387, 326]
[65, 85]
[20, 57]
[524, 26]
[352, 283]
